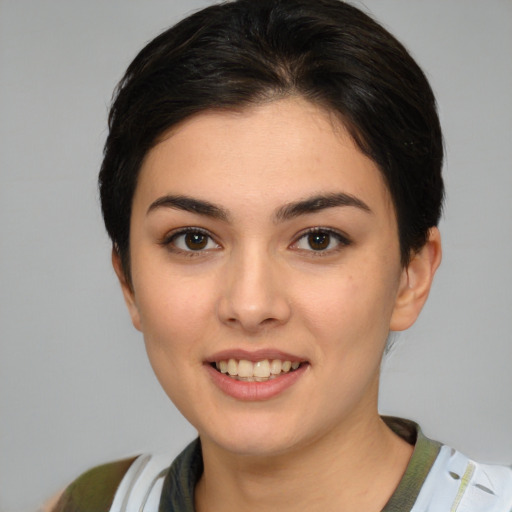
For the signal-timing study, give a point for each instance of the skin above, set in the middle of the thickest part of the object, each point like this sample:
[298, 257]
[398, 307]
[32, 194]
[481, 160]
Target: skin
[259, 285]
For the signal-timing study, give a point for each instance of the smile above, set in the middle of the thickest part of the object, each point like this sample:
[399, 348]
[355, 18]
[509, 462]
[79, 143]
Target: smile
[256, 376]
[255, 371]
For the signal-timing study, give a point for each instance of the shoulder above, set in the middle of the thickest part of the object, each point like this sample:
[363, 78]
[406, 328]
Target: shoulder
[107, 487]
[466, 485]
[95, 489]
[440, 478]
[135, 484]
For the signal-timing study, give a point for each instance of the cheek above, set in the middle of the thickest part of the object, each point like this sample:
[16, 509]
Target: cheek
[175, 313]
[176, 322]
[350, 307]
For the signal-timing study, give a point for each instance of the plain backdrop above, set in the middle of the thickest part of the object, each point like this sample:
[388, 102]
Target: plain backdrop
[75, 386]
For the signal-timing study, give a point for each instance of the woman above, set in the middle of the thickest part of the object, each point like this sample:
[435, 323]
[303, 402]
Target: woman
[272, 188]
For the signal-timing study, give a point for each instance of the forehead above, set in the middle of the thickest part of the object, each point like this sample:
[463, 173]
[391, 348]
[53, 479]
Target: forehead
[281, 150]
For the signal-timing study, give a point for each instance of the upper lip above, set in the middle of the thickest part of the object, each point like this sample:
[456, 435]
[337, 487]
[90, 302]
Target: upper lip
[253, 355]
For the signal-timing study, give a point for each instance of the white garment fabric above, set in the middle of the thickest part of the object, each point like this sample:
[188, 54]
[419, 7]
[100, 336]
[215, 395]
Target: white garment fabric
[141, 486]
[458, 484]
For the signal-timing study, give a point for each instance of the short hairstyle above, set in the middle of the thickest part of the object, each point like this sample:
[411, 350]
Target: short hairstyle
[241, 53]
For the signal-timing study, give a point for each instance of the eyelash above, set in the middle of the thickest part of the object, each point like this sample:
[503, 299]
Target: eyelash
[170, 241]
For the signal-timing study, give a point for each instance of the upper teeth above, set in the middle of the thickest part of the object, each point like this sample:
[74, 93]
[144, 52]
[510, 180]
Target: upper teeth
[263, 369]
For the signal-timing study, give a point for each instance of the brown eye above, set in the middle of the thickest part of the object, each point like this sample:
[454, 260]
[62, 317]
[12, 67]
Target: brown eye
[191, 240]
[196, 241]
[319, 241]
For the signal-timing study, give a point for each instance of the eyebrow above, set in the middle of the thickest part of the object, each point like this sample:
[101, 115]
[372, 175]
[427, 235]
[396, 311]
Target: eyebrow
[287, 212]
[317, 203]
[189, 204]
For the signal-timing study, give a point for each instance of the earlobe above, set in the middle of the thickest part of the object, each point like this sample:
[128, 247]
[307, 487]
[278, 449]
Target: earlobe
[416, 281]
[127, 289]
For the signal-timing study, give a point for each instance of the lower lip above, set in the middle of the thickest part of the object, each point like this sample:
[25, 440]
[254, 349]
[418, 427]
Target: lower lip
[255, 391]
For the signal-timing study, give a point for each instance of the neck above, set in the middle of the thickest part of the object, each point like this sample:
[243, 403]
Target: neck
[355, 467]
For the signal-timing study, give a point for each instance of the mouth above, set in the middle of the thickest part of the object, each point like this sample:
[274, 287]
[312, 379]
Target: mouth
[256, 371]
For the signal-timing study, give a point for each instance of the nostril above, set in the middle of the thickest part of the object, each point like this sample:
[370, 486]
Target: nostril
[269, 321]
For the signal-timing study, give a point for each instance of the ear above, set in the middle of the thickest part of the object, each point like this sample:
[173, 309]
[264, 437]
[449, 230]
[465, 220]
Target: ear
[415, 283]
[126, 287]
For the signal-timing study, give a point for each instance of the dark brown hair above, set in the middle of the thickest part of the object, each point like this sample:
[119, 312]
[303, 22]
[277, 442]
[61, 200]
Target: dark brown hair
[244, 52]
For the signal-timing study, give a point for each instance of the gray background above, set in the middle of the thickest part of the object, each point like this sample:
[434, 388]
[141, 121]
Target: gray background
[75, 387]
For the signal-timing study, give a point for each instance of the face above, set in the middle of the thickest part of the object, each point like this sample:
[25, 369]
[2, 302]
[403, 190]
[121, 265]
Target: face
[265, 275]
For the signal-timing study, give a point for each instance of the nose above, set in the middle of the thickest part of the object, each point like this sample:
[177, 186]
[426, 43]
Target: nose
[253, 295]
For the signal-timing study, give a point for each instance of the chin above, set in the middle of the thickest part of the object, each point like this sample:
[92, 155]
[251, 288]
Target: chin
[254, 445]
[254, 435]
